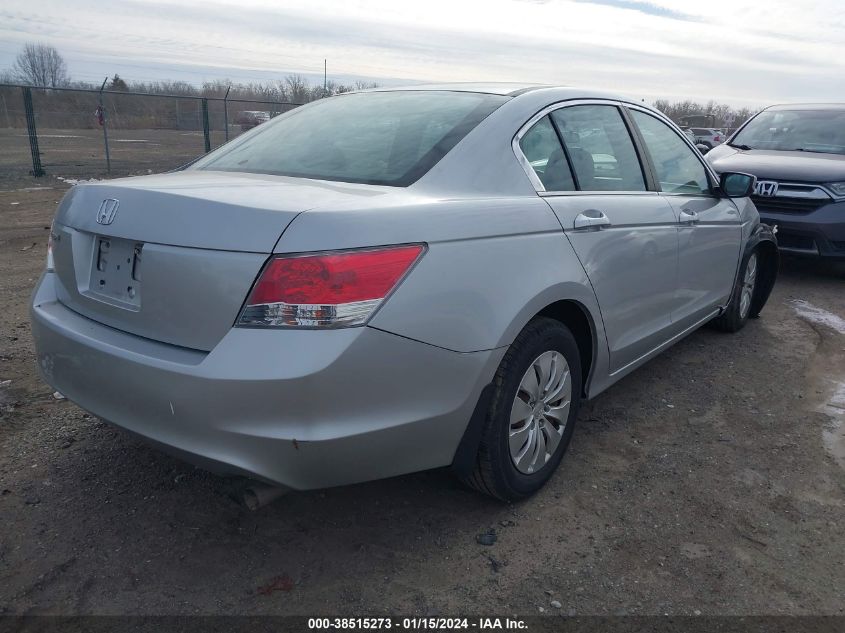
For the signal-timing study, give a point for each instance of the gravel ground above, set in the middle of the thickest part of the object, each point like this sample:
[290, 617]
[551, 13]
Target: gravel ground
[711, 481]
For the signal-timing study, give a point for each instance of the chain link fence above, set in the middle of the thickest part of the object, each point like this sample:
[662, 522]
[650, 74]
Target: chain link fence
[80, 134]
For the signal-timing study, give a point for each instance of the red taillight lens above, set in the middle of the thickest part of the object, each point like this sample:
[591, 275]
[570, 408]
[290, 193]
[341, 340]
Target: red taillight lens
[717, 138]
[328, 289]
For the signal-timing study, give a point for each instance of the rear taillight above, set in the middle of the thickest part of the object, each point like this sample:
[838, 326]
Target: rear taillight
[717, 138]
[328, 290]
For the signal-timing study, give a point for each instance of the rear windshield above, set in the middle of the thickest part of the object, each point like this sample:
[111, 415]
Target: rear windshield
[820, 131]
[380, 138]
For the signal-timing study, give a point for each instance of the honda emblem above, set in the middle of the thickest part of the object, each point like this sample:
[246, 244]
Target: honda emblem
[766, 188]
[107, 211]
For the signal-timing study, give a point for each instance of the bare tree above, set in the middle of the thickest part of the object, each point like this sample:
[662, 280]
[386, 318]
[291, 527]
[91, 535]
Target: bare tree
[723, 114]
[365, 85]
[40, 65]
[742, 115]
[117, 83]
[297, 89]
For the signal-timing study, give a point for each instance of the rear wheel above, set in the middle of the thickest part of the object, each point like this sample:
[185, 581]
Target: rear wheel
[529, 424]
[742, 298]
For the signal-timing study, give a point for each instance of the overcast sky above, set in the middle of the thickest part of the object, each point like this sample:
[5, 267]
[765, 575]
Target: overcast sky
[745, 52]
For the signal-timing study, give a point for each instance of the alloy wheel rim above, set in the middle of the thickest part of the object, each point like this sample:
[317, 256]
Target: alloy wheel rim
[748, 281]
[540, 412]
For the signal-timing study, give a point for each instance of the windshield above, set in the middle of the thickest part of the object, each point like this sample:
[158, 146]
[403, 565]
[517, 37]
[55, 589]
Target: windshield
[787, 130]
[382, 138]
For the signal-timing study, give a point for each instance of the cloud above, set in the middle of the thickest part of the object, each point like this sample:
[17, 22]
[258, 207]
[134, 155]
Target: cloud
[723, 49]
[644, 7]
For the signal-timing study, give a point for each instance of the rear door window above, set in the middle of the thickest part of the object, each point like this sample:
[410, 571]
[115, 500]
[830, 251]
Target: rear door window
[542, 148]
[600, 148]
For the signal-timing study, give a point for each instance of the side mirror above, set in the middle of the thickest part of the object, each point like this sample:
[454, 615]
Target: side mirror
[702, 148]
[737, 185]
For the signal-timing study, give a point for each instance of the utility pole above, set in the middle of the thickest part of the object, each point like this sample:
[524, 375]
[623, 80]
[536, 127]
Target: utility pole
[325, 77]
[226, 112]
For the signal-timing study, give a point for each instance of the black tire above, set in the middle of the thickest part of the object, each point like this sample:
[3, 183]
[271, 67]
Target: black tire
[732, 319]
[494, 472]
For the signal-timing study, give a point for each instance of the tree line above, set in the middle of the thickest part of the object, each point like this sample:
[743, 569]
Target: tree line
[42, 65]
[723, 115]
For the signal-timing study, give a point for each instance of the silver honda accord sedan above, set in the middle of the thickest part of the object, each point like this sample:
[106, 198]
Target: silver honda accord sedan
[396, 280]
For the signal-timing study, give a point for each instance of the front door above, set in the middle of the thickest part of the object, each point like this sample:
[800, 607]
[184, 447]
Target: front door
[625, 235]
[709, 229]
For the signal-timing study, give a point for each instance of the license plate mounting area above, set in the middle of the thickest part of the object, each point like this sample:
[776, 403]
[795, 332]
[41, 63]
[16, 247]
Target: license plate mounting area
[116, 272]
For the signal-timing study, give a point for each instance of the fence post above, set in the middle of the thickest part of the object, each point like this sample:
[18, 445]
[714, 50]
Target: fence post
[105, 127]
[205, 130]
[37, 170]
[6, 110]
[226, 112]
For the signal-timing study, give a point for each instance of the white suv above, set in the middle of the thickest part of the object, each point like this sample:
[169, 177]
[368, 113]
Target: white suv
[708, 136]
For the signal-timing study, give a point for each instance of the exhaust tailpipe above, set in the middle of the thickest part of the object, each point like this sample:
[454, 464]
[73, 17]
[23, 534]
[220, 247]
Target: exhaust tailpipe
[258, 495]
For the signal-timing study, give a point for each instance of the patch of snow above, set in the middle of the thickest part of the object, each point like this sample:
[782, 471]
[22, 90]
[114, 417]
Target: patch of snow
[838, 398]
[808, 311]
[834, 437]
[76, 181]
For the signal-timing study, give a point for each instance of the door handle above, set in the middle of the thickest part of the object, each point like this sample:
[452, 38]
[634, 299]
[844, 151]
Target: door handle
[688, 217]
[591, 219]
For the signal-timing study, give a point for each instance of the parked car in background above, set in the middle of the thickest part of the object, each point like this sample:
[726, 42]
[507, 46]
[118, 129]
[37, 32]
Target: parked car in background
[710, 137]
[699, 146]
[797, 153]
[389, 281]
[249, 119]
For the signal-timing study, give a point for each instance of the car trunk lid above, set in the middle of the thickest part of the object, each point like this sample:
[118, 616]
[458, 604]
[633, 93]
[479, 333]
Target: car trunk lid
[172, 257]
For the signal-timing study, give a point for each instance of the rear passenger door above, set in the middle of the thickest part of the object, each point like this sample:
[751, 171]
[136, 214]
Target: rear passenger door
[585, 164]
[709, 228]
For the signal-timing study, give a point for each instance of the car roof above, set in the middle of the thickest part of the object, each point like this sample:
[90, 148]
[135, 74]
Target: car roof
[512, 89]
[807, 106]
[504, 88]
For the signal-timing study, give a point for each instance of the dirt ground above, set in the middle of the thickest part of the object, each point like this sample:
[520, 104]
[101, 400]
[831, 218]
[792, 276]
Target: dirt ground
[80, 153]
[711, 481]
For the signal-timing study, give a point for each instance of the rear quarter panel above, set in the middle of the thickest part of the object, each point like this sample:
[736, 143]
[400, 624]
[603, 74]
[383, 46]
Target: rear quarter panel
[491, 265]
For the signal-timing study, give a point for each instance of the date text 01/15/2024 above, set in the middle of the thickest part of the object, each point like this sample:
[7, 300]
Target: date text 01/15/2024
[417, 624]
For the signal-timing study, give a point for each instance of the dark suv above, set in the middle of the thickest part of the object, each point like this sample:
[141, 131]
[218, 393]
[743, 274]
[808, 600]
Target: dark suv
[797, 153]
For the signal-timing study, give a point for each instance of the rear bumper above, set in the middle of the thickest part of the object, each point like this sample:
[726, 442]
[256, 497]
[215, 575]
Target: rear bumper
[819, 233]
[305, 409]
